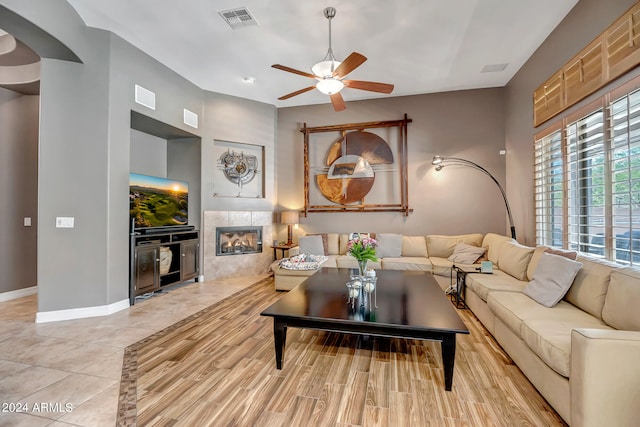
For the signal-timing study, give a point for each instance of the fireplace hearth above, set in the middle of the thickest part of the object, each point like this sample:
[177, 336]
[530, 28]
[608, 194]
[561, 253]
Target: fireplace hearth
[238, 240]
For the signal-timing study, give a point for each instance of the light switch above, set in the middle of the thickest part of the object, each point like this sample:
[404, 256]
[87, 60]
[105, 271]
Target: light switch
[64, 221]
[27, 221]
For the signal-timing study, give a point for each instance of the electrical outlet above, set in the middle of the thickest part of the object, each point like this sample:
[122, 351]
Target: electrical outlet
[27, 221]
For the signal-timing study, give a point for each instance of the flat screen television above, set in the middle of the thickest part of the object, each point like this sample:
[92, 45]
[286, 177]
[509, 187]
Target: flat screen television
[157, 202]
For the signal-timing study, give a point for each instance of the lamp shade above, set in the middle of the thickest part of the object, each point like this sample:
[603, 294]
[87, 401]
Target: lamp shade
[324, 69]
[290, 217]
[329, 86]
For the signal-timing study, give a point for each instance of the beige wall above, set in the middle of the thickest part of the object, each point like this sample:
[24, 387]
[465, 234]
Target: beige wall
[583, 24]
[467, 124]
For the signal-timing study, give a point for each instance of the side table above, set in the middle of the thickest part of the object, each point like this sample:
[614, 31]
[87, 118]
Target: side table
[459, 287]
[283, 248]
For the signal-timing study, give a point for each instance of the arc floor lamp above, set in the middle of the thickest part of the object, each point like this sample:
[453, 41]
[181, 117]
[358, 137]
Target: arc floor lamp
[440, 162]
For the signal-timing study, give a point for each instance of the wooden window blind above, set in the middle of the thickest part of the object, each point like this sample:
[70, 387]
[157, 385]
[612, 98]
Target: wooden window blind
[610, 55]
[623, 42]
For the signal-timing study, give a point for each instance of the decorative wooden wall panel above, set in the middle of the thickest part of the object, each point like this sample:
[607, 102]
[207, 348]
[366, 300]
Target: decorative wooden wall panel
[346, 174]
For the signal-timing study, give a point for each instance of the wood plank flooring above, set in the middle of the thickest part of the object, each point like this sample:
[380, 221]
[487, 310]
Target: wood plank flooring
[217, 368]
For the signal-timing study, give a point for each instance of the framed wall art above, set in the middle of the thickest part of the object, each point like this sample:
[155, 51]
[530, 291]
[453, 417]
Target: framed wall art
[239, 170]
[357, 167]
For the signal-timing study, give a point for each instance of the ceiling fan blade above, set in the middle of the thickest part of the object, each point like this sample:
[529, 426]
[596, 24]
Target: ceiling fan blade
[352, 62]
[294, 71]
[338, 102]
[298, 92]
[370, 86]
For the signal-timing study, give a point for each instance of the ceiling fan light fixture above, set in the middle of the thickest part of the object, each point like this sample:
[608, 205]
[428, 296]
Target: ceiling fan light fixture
[325, 68]
[329, 86]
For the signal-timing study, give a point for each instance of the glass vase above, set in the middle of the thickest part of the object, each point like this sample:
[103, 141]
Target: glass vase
[362, 266]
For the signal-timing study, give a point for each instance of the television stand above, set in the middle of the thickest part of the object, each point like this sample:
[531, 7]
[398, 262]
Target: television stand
[163, 230]
[162, 258]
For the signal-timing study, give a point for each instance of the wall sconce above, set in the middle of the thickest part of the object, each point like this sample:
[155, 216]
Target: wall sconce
[440, 162]
[290, 218]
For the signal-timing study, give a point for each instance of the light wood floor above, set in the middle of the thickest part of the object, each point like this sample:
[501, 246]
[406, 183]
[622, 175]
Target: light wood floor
[218, 368]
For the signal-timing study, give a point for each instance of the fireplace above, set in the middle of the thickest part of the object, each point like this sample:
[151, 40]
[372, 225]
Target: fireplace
[238, 240]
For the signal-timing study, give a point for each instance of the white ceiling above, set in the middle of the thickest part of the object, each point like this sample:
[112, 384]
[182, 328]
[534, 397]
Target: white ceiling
[420, 46]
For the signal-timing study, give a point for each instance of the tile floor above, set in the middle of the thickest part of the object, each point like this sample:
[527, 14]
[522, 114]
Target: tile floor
[68, 373]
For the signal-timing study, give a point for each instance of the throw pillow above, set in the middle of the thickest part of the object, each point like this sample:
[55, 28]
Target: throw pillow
[311, 245]
[325, 242]
[389, 245]
[537, 253]
[466, 254]
[552, 279]
[572, 255]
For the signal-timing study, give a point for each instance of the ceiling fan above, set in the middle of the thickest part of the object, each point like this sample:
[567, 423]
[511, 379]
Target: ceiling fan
[330, 74]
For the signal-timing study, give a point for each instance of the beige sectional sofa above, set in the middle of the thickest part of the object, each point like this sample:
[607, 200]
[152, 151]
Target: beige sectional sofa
[582, 354]
[413, 257]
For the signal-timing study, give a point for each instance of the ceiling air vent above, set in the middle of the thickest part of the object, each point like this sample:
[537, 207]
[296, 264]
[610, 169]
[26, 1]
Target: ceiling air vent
[238, 18]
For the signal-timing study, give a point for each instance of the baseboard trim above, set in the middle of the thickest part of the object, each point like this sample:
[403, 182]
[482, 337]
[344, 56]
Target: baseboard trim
[81, 313]
[18, 293]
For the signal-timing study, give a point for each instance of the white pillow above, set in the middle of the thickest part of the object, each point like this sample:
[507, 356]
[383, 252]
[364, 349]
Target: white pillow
[311, 245]
[389, 245]
[552, 279]
[466, 254]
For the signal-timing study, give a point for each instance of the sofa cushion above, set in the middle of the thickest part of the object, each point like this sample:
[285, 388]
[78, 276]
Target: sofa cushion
[311, 245]
[440, 246]
[493, 242]
[343, 240]
[406, 263]
[513, 307]
[466, 254]
[514, 259]
[622, 302]
[550, 336]
[442, 266]
[483, 284]
[389, 245]
[413, 246]
[443, 246]
[590, 286]
[553, 276]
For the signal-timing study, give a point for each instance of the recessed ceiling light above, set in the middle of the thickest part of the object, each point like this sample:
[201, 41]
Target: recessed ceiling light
[249, 79]
[493, 68]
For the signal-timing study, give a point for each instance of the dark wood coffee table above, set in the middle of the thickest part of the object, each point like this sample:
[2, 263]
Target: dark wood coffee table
[410, 305]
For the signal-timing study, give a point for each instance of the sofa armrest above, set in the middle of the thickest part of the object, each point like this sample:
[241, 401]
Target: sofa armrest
[605, 377]
[294, 251]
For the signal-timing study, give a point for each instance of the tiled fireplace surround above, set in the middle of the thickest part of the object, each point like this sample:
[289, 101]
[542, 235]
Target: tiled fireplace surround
[223, 267]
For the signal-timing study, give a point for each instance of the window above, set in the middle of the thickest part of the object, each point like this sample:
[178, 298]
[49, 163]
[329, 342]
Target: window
[549, 189]
[625, 177]
[587, 180]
